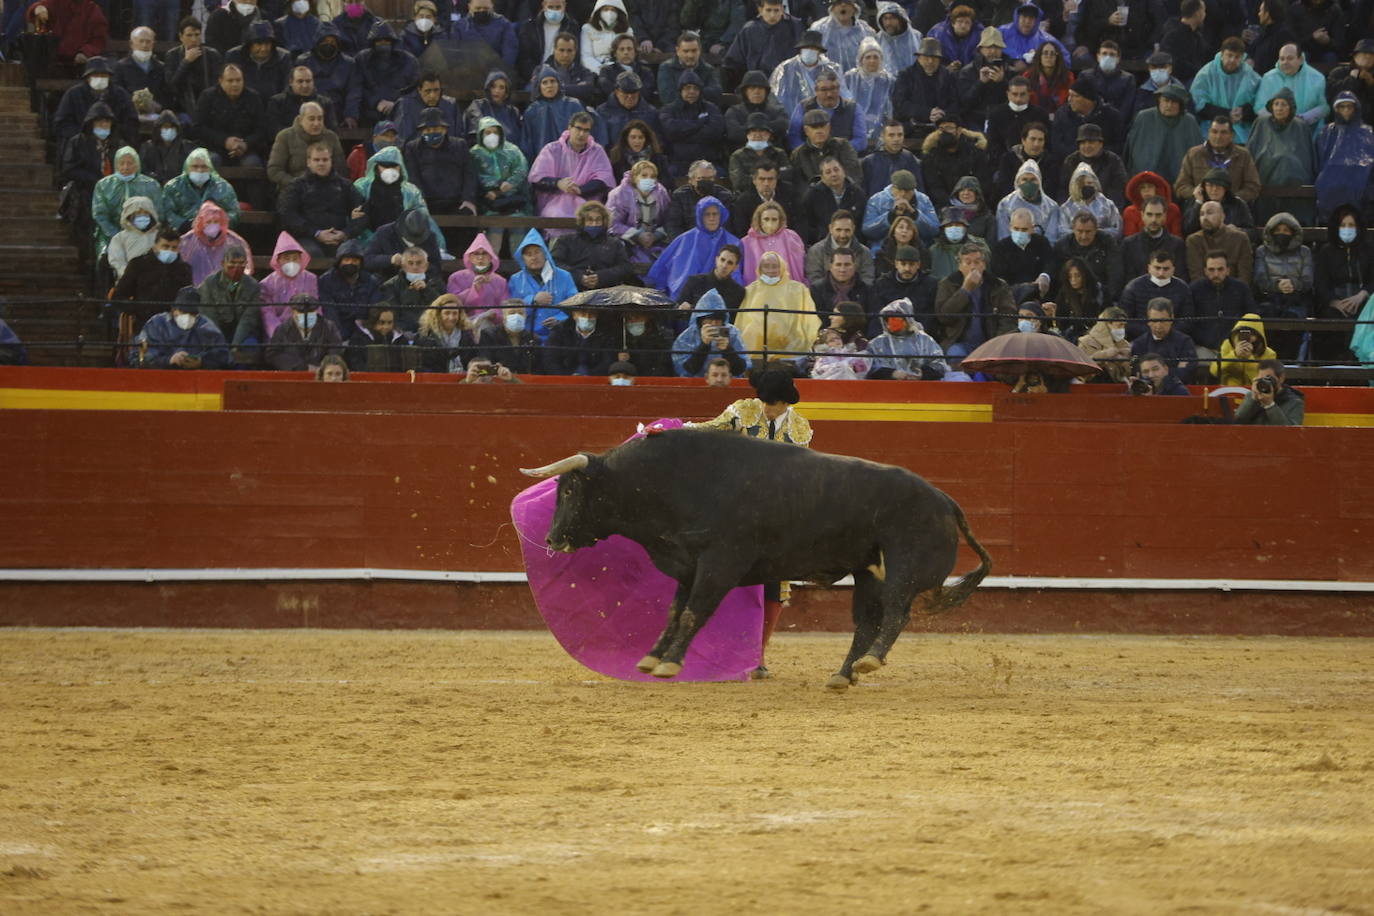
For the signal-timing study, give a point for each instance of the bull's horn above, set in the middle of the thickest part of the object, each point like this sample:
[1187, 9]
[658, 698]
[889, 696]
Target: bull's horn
[570, 463]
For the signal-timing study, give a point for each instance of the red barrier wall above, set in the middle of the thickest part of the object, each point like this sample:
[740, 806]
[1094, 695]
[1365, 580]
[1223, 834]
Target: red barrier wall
[250, 489]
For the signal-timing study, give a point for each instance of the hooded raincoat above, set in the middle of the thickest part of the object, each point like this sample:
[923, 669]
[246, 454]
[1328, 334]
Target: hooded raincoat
[278, 288]
[182, 197]
[693, 252]
[842, 41]
[1307, 85]
[483, 303]
[871, 92]
[1213, 87]
[1046, 209]
[785, 242]
[1130, 218]
[205, 254]
[899, 51]
[1100, 205]
[130, 242]
[1283, 152]
[107, 202]
[1158, 144]
[792, 81]
[633, 213]
[494, 167]
[546, 119]
[590, 169]
[597, 38]
[979, 219]
[691, 353]
[391, 202]
[777, 317]
[1229, 369]
[509, 116]
[1345, 159]
[551, 279]
[912, 351]
[1019, 45]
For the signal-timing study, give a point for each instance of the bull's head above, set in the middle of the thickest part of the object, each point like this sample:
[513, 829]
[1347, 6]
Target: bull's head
[575, 521]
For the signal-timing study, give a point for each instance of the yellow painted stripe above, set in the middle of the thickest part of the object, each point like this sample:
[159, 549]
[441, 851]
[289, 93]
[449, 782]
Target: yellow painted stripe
[57, 399]
[1338, 419]
[908, 413]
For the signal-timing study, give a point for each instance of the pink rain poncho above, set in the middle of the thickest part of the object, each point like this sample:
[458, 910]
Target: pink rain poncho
[482, 304]
[205, 254]
[785, 242]
[278, 288]
[607, 604]
[558, 160]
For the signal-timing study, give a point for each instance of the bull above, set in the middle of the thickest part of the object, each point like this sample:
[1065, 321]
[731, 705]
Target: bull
[715, 510]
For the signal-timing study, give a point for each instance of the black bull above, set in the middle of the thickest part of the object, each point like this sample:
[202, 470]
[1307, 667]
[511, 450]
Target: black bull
[715, 510]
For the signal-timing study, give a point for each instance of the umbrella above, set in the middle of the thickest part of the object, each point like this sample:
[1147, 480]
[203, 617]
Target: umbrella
[461, 64]
[623, 295]
[1017, 353]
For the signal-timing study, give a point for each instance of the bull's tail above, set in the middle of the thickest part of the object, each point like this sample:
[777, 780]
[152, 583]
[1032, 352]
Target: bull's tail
[947, 598]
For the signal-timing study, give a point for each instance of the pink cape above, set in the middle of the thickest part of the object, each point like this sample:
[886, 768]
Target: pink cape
[607, 604]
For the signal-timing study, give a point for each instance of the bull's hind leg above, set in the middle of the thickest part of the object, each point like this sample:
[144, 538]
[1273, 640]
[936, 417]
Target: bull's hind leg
[649, 662]
[900, 589]
[867, 613]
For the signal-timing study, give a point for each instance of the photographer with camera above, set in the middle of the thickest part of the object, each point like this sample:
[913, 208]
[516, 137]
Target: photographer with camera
[1152, 376]
[1241, 351]
[1271, 402]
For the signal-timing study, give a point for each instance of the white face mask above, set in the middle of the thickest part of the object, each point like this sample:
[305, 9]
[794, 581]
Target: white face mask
[99, 83]
[306, 320]
[245, 9]
[622, 382]
[391, 176]
[291, 268]
[198, 177]
[608, 18]
[1018, 107]
[424, 25]
[300, 7]
[1118, 333]
[491, 141]
[186, 321]
[168, 134]
[1026, 326]
[142, 221]
[1160, 281]
[515, 323]
[809, 56]
[770, 281]
[141, 56]
[1107, 63]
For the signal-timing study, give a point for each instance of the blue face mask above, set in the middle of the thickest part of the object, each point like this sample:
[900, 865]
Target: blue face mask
[757, 145]
[554, 16]
[101, 133]
[166, 257]
[954, 233]
[1020, 237]
[122, 177]
[168, 134]
[1159, 77]
[306, 320]
[435, 138]
[586, 325]
[634, 328]
[622, 382]
[198, 177]
[414, 278]
[646, 185]
[1348, 234]
[595, 232]
[142, 221]
[1025, 326]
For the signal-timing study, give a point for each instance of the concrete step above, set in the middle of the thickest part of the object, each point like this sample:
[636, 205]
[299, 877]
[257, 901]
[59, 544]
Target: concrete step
[57, 259]
[28, 175]
[32, 230]
[21, 202]
[63, 285]
[12, 75]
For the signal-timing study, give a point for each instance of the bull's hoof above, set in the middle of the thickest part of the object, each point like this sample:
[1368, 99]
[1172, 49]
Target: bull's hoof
[647, 663]
[666, 669]
[868, 664]
[761, 673]
[837, 682]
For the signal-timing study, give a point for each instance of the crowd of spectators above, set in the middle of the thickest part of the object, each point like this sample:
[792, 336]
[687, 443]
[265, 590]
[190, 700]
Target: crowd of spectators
[871, 193]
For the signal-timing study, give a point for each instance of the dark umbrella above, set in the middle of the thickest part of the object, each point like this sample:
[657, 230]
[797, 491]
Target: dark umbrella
[623, 296]
[461, 64]
[1017, 353]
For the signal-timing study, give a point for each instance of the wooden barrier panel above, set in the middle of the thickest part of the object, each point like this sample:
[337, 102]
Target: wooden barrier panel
[123, 489]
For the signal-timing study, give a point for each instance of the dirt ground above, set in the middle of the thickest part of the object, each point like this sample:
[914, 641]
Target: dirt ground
[206, 771]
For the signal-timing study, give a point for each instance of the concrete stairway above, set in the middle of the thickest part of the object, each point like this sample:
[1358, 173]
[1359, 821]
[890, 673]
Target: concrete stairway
[42, 278]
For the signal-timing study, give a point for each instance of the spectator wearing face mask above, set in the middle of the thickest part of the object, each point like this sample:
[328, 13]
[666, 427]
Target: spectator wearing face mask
[289, 278]
[1029, 194]
[110, 193]
[954, 233]
[1025, 255]
[95, 86]
[483, 24]
[385, 72]
[226, 27]
[180, 338]
[1085, 196]
[509, 343]
[413, 288]
[441, 166]
[228, 297]
[904, 351]
[296, 30]
[141, 69]
[1106, 344]
[348, 288]
[138, 217]
[151, 280]
[644, 343]
[479, 289]
[593, 256]
[423, 28]
[209, 237]
[428, 94]
[581, 344]
[197, 185]
[266, 67]
[302, 341]
[335, 71]
[1285, 278]
[354, 26]
[905, 281]
[163, 156]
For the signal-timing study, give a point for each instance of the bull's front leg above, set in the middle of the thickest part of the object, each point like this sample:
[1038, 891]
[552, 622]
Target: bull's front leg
[713, 581]
[651, 661]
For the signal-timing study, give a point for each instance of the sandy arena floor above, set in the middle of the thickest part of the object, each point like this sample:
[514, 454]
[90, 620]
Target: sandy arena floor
[475, 772]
